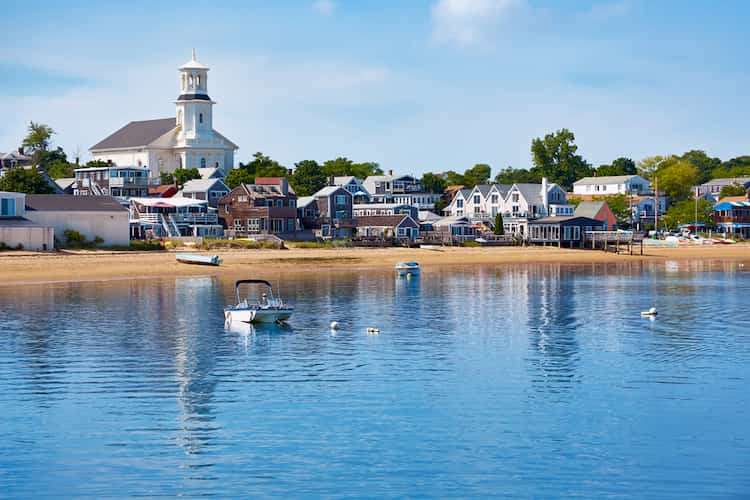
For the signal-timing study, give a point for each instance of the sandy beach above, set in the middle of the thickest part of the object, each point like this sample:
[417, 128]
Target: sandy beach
[34, 268]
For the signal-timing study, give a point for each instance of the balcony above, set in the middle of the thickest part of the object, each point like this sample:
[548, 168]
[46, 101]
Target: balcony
[120, 182]
[189, 218]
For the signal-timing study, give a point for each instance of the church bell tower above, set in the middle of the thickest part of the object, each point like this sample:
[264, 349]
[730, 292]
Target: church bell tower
[194, 106]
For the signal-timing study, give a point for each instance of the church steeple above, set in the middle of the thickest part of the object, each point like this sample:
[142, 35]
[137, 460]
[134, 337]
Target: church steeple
[194, 106]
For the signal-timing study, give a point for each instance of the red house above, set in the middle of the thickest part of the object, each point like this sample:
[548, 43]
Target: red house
[598, 210]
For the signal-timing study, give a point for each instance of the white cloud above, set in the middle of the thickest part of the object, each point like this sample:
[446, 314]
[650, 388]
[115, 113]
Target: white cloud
[468, 22]
[324, 7]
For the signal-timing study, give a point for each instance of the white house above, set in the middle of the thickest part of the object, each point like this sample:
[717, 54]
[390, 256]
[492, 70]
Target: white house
[91, 216]
[186, 141]
[16, 231]
[608, 185]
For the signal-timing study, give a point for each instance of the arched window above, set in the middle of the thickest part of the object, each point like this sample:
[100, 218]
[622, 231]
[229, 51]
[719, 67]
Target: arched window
[200, 117]
[190, 81]
[198, 81]
[203, 163]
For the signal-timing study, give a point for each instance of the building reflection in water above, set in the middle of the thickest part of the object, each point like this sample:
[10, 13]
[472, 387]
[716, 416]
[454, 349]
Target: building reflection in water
[552, 323]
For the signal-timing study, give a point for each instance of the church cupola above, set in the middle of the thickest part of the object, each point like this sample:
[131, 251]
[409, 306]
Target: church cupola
[194, 106]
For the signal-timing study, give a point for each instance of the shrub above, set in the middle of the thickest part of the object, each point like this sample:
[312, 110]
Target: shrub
[321, 244]
[74, 239]
[214, 243]
[471, 243]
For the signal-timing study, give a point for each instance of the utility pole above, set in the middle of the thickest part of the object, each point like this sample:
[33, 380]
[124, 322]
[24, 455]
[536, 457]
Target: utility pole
[656, 206]
[696, 210]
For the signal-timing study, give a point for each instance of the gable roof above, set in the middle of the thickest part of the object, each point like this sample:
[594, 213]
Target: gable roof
[589, 208]
[605, 179]
[329, 190]
[384, 220]
[532, 193]
[210, 173]
[202, 185]
[727, 181]
[135, 134]
[304, 201]
[572, 219]
[70, 203]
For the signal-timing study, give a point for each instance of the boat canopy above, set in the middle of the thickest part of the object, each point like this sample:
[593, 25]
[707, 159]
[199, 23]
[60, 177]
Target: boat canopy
[249, 282]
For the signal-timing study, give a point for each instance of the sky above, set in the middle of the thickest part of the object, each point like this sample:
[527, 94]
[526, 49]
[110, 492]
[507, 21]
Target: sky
[417, 85]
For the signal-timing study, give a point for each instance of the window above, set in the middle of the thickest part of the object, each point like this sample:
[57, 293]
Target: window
[477, 199]
[237, 226]
[340, 199]
[459, 203]
[342, 214]
[198, 80]
[494, 199]
[203, 163]
[576, 233]
[402, 231]
[566, 232]
[277, 225]
[8, 207]
[514, 198]
[190, 81]
[279, 203]
[200, 118]
[293, 203]
[253, 226]
[242, 198]
[290, 226]
[515, 209]
[477, 208]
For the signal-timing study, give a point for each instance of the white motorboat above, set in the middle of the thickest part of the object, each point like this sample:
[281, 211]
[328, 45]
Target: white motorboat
[266, 309]
[407, 268]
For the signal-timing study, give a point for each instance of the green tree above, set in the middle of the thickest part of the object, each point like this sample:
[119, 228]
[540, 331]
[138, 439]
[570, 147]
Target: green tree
[238, 176]
[478, 174]
[621, 166]
[499, 229]
[453, 178]
[732, 190]
[181, 176]
[344, 166]
[647, 166]
[512, 175]
[99, 164]
[736, 167]
[37, 139]
[701, 161]
[22, 180]
[432, 183]
[59, 169]
[555, 157]
[683, 212]
[676, 178]
[308, 178]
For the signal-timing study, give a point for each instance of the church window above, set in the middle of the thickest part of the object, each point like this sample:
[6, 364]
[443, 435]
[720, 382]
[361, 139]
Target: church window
[200, 117]
[203, 163]
[190, 81]
[198, 81]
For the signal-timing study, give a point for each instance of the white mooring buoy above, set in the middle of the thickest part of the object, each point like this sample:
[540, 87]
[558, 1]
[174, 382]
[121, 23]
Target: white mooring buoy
[334, 325]
[650, 312]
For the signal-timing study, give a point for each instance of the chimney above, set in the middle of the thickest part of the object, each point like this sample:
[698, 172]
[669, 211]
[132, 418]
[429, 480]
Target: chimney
[20, 150]
[545, 197]
[390, 173]
[284, 185]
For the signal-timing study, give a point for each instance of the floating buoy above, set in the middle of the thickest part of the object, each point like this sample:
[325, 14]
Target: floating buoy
[650, 312]
[334, 325]
[373, 330]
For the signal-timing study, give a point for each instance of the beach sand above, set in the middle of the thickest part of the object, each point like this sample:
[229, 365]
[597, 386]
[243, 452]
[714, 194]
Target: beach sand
[34, 268]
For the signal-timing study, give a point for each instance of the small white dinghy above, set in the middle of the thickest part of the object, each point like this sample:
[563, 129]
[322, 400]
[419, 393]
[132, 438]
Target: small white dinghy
[266, 309]
[202, 260]
[407, 268]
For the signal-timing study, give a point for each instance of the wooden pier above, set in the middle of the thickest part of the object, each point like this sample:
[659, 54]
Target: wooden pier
[614, 241]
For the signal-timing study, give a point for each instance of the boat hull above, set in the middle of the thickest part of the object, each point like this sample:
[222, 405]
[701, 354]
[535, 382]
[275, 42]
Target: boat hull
[256, 315]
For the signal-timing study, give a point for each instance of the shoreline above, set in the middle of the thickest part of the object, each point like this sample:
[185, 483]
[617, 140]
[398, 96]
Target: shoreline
[28, 268]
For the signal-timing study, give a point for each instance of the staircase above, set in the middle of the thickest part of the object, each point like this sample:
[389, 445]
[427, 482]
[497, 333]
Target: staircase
[170, 227]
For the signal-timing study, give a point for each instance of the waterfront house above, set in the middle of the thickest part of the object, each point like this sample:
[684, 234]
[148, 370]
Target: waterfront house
[710, 190]
[404, 189]
[400, 228]
[328, 213]
[451, 230]
[644, 207]
[598, 210]
[562, 231]
[91, 216]
[111, 180]
[173, 218]
[269, 206]
[732, 216]
[366, 209]
[16, 231]
[211, 190]
[614, 184]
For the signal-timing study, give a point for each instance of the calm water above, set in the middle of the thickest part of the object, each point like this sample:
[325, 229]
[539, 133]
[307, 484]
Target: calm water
[538, 381]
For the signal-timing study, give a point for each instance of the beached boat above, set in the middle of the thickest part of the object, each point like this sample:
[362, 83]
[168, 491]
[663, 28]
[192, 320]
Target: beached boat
[407, 268]
[202, 260]
[266, 309]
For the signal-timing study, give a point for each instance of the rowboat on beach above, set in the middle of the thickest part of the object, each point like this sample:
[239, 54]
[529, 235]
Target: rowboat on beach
[201, 260]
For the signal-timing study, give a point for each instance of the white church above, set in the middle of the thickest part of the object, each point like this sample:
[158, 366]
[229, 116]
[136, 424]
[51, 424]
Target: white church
[187, 141]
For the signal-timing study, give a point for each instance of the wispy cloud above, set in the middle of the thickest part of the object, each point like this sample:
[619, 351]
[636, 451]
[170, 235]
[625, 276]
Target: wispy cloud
[324, 7]
[468, 22]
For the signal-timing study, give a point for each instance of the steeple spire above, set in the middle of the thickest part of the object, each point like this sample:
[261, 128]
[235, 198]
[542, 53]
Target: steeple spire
[194, 59]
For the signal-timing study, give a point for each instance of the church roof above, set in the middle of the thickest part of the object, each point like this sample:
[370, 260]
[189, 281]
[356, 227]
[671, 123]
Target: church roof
[136, 134]
[193, 64]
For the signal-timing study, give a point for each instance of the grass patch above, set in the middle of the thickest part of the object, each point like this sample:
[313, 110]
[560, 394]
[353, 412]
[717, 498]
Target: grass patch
[471, 244]
[321, 244]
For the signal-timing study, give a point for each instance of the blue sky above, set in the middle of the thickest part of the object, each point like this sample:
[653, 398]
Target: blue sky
[415, 85]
